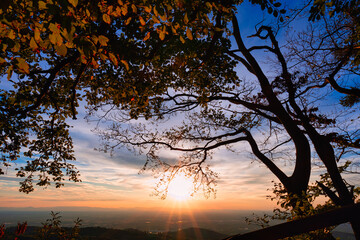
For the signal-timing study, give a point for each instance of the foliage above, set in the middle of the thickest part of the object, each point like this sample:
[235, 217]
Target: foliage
[344, 31]
[151, 60]
[52, 229]
[56, 53]
[20, 230]
[305, 205]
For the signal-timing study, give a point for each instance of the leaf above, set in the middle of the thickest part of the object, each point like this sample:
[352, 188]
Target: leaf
[186, 19]
[11, 34]
[189, 34]
[73, 2]
[142, 21]
[103, 56]
[37, 34]
[126, 64]
[162, 35]
[134, 9]
[16, 47]
[182, 39]
[2, 60]
[147, 9]
[9, 72]
[155, 19]
[103, 40]
[156, 13]
[106, 18]
[56, 39]
[61, 50]
[42, 5]
[22, 65]
[128, 21]
[124, 10]
[113, 59]
[146, 37]
[33, 44]
[95, 39]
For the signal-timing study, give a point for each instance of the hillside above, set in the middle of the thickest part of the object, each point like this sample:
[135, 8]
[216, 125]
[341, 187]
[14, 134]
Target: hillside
[95, 233]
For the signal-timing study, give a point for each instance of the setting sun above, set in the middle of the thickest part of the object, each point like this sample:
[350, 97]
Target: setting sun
[180, 188]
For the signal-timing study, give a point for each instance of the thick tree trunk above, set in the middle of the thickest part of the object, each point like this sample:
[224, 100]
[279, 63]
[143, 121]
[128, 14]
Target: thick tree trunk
[296, 227]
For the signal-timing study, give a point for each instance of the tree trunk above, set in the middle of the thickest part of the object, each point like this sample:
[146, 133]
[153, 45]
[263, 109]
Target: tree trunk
[296, 227]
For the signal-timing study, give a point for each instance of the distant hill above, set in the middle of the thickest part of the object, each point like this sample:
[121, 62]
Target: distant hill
[195, 234]
[99, 233]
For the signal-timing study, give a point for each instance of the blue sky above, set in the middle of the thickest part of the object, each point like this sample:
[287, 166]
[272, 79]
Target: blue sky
[115, 182]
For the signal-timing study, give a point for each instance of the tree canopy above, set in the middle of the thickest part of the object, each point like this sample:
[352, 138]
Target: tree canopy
[57, 53]
[155, 60]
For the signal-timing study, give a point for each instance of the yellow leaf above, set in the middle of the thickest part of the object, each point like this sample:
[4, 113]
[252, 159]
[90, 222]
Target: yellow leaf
[22, 65]
[124, 10]
[55, 39]
[42, 5]
[126, 64]
[16, 47]
[120, 2]
[147, 9]
[128, 21]
[142, 21]
[155, 19]
[73, 2]
[146, 37]
[103, 40]
[61, 50]
[95, 39]
[156, 12]
[103, 56]
[134, 8]
[33, 44]
[208, 5]
[11, 34]
[54, 28]
[162, 35]
[186, 19]
[2, 61]
[163, 17]
[182, 39]
[9, 72]
[189, 34]
[113, 59]
[106, 18]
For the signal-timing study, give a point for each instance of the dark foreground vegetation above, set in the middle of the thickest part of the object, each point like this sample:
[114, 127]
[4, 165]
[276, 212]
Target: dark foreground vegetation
[90, 233]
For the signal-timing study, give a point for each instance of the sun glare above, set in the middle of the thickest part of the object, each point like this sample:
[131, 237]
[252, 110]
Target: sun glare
[180, 188]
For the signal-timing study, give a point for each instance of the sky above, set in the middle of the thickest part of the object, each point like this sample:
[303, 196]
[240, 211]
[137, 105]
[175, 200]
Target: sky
[114, 182]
